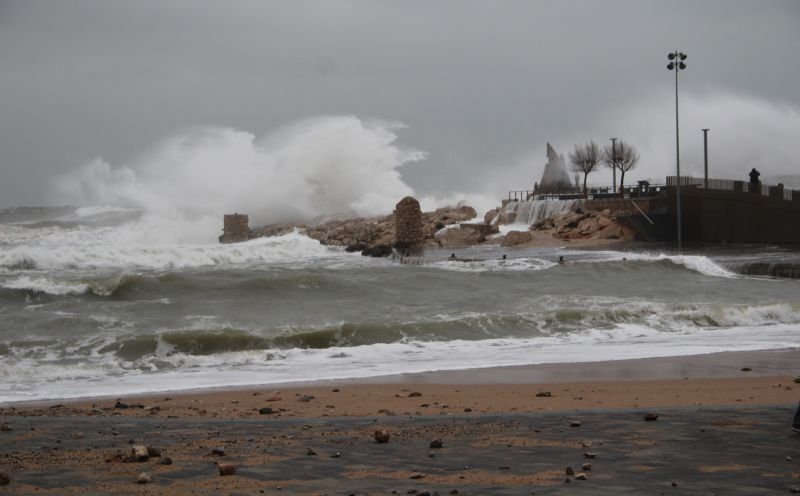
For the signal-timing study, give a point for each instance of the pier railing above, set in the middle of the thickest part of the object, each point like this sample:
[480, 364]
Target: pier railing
[772, 190]
[644, 190]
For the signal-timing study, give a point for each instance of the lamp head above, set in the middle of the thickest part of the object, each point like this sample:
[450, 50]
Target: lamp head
[682, 56]
[682, 66]
[671, 56]
[670, 66]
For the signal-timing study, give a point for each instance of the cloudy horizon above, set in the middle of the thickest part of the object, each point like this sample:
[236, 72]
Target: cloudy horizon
[480, 86]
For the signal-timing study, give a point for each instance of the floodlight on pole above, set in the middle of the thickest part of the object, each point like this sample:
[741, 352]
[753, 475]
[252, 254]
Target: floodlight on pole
[676, 64]
[705, 155]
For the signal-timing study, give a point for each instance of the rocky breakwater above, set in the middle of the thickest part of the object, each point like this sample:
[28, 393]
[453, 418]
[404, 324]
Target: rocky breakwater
[580, 225]
[375, 236]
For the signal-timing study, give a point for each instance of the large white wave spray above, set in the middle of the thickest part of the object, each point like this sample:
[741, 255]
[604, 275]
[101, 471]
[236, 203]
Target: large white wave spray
[318, 166]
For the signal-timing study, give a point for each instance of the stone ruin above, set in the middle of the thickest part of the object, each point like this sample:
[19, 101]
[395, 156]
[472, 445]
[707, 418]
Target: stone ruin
[236, 228]
[408, 226]
[555, 178]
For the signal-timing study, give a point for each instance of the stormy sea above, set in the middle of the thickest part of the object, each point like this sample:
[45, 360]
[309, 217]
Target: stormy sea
[92, 304]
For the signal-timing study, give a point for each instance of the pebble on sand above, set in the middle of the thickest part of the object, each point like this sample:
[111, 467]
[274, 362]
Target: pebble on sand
[586, 467]
[144, 478]
[139, 453]
[381, 435]
[544, 394]
[226, 469]
[436, 443]
[580, 476]
[4, 479]
[649, 417]
[569, 470]
[5, 427]
[575, 423]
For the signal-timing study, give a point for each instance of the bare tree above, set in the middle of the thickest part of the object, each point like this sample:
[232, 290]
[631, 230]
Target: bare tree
[622, 156]
[584, 158]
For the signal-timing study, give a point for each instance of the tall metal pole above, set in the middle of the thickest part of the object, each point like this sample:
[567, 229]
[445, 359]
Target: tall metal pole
[677, 156]
[614, 165]
[705, 155]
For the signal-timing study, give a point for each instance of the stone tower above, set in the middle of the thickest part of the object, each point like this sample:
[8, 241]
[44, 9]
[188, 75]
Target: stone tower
[236, 228]
[408, 226]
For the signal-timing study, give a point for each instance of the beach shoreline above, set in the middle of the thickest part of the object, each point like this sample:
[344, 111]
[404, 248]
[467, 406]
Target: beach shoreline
[758, 366]
[501, 431]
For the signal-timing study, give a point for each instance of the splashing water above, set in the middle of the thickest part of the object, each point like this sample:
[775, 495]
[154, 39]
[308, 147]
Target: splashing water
[315, 167]
[532, 211]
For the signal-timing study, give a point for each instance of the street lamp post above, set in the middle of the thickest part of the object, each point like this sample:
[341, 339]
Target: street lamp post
[614, 165]
[676, 64]
[705, 155]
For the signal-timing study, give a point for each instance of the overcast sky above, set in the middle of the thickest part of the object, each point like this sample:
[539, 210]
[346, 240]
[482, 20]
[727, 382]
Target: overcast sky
[481, 85]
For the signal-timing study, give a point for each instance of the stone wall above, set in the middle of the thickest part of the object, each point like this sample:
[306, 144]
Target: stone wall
[408, 226]
[236, 228]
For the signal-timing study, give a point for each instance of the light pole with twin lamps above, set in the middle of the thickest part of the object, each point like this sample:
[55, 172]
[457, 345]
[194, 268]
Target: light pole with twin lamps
[676, 64]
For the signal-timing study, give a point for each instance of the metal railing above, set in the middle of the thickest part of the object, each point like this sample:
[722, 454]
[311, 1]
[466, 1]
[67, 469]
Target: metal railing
[772, 190]
[592, 193]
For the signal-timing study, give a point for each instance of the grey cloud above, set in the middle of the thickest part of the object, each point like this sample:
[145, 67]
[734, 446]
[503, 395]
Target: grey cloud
[482, 85]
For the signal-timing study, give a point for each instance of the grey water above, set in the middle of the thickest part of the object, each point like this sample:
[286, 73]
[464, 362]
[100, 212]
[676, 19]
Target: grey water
[88, 309]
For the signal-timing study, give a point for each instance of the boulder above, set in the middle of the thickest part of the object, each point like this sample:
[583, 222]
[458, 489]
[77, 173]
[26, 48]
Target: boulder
[515, 238]
[377, 251]
[459, 236]
[144, 478]
[489, 216]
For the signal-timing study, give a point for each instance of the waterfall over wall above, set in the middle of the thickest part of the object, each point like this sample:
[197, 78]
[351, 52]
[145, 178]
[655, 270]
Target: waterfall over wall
[532, 211]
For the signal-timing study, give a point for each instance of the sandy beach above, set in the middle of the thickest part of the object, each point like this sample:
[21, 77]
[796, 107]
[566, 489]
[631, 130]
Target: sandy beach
[723, 422]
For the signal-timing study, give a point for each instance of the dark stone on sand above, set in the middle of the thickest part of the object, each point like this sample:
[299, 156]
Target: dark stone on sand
[566, 480]
[4, 479]
[266, 410]
[580, 476]
[5, 427]
[311, 452]
[414, 394]
[139, 453]
[305, 398]
[650, 417]
[795, 489]
[586, 467]
[144, 478]
[165, 460]
[436, 443]
[544, 394]
[336, 455]
[467, 410]
[377, 251]
[589, 454]
[569, 470]
[674, 484]
[226, 469]
[417, 475]
[218, 451]
[153, 451]
[797, 380]
[575, 423]
[335, 390]
[381, 435]
[746, 369]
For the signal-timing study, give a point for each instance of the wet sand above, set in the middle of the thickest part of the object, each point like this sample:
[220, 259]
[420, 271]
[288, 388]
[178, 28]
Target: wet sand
[723, 427]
